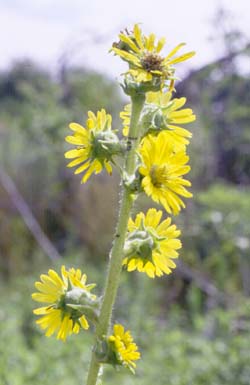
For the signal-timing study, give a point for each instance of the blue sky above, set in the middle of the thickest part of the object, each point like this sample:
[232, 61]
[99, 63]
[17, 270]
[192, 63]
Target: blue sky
[82, 31]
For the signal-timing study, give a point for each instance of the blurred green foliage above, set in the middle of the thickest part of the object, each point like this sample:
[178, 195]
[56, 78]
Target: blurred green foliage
[35, 110]
[217, 238]
[220, 95]
[171, 353]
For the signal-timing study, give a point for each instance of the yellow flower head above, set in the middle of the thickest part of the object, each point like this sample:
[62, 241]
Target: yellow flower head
[171, 116]
[95, 145]
[150, 245]
[59, 315]
[163, 113]
[143, 53]
[162, 170]
[124, 348]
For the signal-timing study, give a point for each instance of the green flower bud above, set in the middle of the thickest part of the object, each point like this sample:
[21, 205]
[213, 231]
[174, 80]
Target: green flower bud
[104, 353]
[139, 243]
[132, 183]
[80, 302]
[105, 145]
[133, 88]
[152, 119]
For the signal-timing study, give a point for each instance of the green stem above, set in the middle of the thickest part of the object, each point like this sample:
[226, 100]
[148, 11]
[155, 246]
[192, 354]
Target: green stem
[116, 253]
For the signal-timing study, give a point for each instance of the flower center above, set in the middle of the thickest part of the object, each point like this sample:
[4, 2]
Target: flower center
[159, 175]
[152, 62]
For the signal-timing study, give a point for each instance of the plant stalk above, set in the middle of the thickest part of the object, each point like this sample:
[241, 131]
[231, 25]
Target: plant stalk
[116, 253]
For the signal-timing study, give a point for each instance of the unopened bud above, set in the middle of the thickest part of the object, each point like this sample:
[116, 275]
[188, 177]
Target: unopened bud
[106, 144]
[140, 243]
[153, 120]
[82, 302]
[132, 88]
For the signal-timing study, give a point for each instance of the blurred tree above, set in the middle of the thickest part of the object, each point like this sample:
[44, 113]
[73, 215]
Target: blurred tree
[220, 95]
[34, 116]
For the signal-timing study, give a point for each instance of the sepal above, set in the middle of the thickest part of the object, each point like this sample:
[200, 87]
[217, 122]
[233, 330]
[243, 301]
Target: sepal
[82, 302]
[106, 144]
[152, 120]
[132, 182]
[133, 88]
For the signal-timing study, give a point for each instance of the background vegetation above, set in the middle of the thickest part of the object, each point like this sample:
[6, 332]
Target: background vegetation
[192, 327]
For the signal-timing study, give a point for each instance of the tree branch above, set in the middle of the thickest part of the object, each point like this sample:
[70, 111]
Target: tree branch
[27, 215]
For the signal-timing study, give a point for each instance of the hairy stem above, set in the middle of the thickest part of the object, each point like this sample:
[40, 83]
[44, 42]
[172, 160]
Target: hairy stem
[116, 253]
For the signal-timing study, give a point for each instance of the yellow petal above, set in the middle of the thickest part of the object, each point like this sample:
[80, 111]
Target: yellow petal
[127, 56]
[160, 44]
[130, 42]
[77, 128]
[77, 161]
[150, 42]
[138, 36]
[173, 52]
[182, 58]
[77, 140]
[82, 168]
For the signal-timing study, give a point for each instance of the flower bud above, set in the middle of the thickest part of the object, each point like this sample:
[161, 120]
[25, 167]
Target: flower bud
[132, 87]
[103, 352]
[106, 144]
[82, 302]
[140, 243]
[152, 119]
[132, 182]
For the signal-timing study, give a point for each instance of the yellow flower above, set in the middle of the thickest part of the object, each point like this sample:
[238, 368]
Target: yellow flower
[93, 145]
[125, 349]
[172, 115]
[152, 245]
[57, 316]
[143, 55]
[162, 170]
[163, 113]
